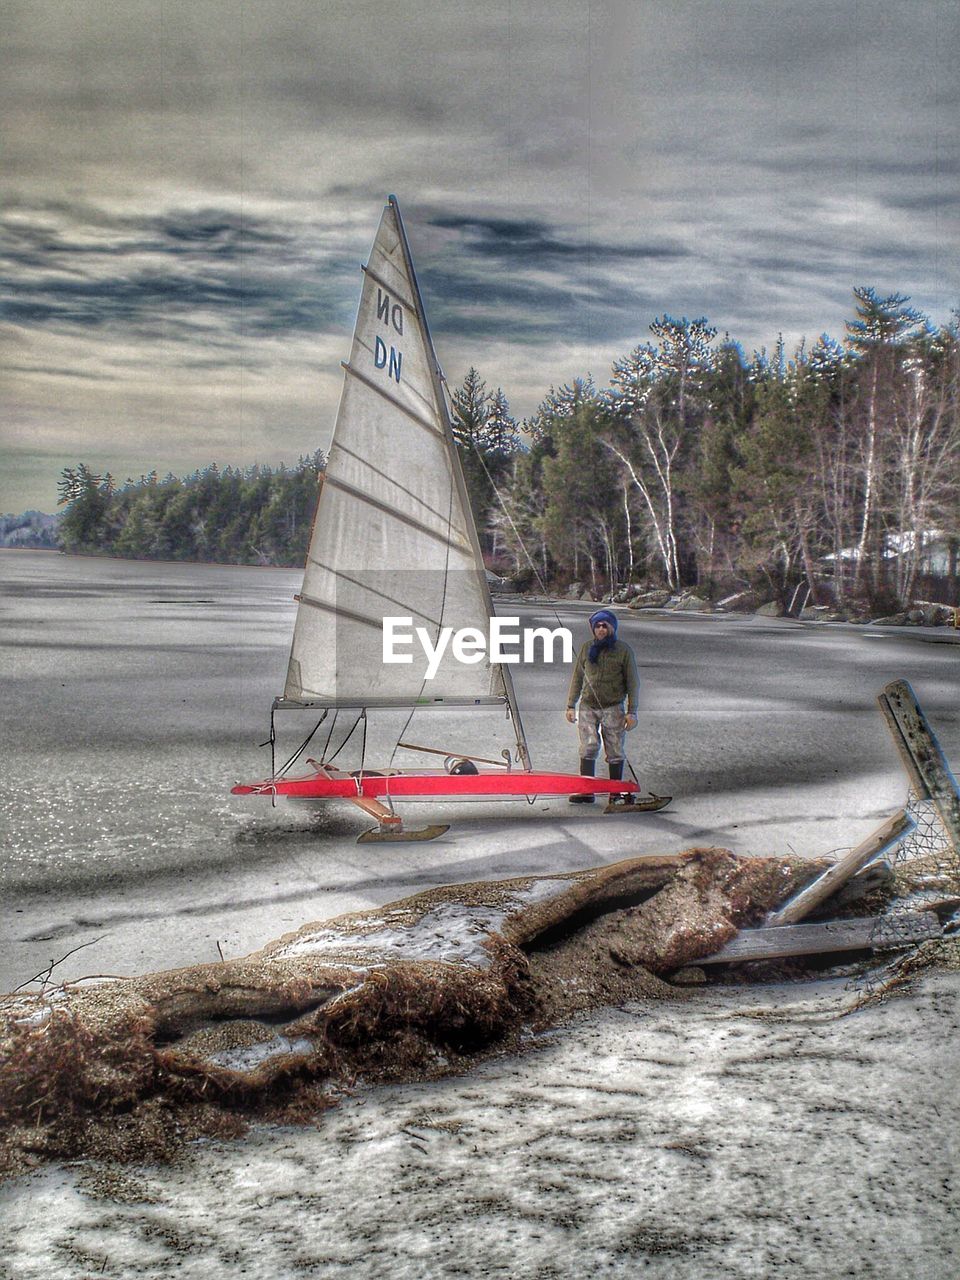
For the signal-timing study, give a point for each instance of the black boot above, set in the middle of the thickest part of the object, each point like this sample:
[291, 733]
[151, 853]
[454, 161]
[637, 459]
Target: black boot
[615, 770]
[587, 769]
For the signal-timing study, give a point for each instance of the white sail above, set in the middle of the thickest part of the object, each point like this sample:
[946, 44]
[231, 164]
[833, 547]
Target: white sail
[393, 535]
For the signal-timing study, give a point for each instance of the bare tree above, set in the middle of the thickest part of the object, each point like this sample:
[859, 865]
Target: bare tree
[926, 450]
[881, 326]
[651, 392]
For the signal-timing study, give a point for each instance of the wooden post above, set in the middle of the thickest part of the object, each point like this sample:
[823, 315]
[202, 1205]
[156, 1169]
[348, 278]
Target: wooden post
[903, 747]
[922, 755]
[802, 903]
[872, 933]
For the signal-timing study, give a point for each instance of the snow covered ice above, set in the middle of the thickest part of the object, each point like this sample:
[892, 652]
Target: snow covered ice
[691, 1140]
[749, 1133]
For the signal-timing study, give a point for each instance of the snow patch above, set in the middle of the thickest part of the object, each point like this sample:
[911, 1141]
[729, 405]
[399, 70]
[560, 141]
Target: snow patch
[249, 1057]
[451, 933]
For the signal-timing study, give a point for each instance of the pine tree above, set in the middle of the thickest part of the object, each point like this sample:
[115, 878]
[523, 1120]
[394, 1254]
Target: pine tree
[558, 406]
[471, 411]
[500, 438]
[582, 519]
[517, 521]
[774, 480]
[83, 523]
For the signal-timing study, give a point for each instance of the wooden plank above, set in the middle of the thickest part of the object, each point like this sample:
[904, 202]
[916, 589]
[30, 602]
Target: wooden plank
[903, 747]
[376, 810]
[877, 843]
[368, 804]
[930, 764]
[866, 934]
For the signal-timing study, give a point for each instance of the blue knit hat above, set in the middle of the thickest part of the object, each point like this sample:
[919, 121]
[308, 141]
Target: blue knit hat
[604, 615]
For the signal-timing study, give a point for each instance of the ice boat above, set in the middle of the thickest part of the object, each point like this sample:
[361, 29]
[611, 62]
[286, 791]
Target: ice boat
[394, 536]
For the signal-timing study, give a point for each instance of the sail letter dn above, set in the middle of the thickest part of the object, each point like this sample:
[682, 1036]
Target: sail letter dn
[380, 358]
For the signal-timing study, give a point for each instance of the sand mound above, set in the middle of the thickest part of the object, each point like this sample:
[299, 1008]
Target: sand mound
[414, 990]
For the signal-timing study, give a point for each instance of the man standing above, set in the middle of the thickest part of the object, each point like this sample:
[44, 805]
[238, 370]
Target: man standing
[605, 676]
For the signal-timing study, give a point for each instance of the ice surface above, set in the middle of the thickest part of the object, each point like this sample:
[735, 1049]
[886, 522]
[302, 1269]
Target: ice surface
[135, 694]
[690, 1141]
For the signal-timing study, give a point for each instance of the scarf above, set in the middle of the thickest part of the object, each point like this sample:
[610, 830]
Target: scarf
[599, 646]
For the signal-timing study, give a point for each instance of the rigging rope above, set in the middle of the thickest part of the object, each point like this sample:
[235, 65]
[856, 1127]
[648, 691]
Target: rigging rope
[326, 745]
[362, 716]
[300, 750]
[363, 741]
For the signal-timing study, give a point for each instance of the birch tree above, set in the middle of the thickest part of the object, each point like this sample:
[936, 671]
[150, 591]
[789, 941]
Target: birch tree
[650, 395]
[926, 449]
[882, 325]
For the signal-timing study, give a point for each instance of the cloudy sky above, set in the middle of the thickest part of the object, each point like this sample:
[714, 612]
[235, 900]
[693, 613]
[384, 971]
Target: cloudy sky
[189, 187]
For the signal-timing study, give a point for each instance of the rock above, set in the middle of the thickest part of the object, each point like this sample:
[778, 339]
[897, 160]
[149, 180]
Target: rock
[740, 601]
[915, 616]
[650, 600]
[691, 604]
[894, 620]
[772, 609]
[575, 591]
[935, 615]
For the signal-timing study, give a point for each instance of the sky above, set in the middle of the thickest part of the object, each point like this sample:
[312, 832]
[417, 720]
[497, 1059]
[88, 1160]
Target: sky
[188, 189]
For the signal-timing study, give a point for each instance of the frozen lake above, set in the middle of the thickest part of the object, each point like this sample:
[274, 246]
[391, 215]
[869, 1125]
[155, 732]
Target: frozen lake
[136, 694]
[744, 1132]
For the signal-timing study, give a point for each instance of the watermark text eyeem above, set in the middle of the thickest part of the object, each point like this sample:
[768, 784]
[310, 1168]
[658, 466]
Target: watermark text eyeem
[505, 642]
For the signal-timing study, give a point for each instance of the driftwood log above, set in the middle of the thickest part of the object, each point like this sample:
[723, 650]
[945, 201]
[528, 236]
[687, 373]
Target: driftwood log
[412, 990]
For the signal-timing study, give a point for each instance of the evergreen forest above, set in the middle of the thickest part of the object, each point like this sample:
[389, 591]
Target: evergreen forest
[835, 466]
[260, 515]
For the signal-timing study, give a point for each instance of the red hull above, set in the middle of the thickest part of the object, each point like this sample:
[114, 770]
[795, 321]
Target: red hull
[431, 784]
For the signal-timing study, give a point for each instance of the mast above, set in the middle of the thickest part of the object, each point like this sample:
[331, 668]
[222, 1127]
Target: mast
[457, 473]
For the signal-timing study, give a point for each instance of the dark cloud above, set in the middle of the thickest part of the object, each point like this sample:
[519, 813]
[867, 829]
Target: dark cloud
[189, 189]
[928, 202]
[507, 241]
[55, 371]
[62, 228]
[181, 273]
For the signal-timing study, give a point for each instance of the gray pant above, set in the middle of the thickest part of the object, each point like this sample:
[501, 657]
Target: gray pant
[594, 723]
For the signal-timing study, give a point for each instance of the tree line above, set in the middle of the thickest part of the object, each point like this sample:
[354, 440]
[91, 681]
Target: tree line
[835, 466]
[260, 515]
